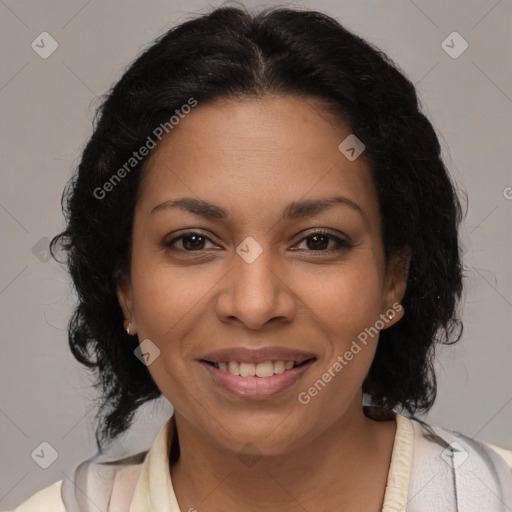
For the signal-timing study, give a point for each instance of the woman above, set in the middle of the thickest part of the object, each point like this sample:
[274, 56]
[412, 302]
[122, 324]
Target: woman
[261, 229]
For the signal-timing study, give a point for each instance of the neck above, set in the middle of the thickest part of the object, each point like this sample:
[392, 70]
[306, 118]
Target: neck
[345, 467]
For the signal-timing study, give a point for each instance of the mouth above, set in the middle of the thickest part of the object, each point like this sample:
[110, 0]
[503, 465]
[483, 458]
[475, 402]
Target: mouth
[256, 381]
[264, 369]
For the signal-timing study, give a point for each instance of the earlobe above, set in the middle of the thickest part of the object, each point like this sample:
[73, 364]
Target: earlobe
[396, 285]
[124, 296]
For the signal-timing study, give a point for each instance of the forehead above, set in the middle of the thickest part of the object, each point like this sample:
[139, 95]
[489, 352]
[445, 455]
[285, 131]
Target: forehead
[241, 152]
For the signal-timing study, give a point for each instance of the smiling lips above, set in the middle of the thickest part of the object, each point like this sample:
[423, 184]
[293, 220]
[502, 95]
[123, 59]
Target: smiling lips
[257, 374]
[265, 369]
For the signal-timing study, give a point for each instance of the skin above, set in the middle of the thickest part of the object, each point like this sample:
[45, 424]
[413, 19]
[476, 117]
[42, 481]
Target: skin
[253, 157]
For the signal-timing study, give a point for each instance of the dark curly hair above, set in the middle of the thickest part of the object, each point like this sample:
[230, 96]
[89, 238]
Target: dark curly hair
[231, 53]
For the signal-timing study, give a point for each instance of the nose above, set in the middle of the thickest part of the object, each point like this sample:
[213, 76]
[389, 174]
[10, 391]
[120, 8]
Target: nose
[256, 293]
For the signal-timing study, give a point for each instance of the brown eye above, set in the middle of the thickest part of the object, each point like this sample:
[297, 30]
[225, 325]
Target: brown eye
[319, 242]
[190, 242]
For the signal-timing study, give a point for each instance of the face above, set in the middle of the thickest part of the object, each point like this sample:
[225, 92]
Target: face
[250, 288]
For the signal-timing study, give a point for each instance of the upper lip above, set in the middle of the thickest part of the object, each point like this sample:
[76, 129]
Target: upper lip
[259, 355]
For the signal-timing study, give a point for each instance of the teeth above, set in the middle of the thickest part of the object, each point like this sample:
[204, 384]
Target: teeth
[234, 367]
[279, 367]
[247, 370]
[265, 369]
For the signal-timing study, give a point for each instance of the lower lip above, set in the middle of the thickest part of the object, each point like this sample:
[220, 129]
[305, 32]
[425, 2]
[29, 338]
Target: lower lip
[256, 388]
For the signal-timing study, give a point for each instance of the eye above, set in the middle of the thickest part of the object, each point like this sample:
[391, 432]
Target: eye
[191, 241]
[319, 240]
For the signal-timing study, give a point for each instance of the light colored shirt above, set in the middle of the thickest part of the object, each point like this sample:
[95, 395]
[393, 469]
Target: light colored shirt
[431, 469]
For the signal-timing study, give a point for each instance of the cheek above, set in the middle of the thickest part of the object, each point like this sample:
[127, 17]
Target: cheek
[346, 305]
[166, 302]
[167, 297]
[346, 310]
[347, 299]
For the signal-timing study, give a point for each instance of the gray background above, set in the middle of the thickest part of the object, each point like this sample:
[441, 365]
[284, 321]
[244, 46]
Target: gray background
[46, 108]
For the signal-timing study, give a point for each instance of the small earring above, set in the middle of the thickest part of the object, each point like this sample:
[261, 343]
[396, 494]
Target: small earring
[128, 328]
[390, 315]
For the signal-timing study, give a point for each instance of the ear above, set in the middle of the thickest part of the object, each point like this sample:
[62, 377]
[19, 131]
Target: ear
[395, 285]
[125, 298]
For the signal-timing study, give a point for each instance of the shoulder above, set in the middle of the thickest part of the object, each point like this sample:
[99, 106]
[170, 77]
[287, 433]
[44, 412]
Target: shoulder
[451, 469]
[48, 499]
[504, 453]
[455, 445]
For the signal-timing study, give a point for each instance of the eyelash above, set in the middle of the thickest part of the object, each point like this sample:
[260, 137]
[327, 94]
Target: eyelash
[342, 244]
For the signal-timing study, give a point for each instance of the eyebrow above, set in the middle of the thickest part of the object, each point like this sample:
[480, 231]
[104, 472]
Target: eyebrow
[294, 210]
